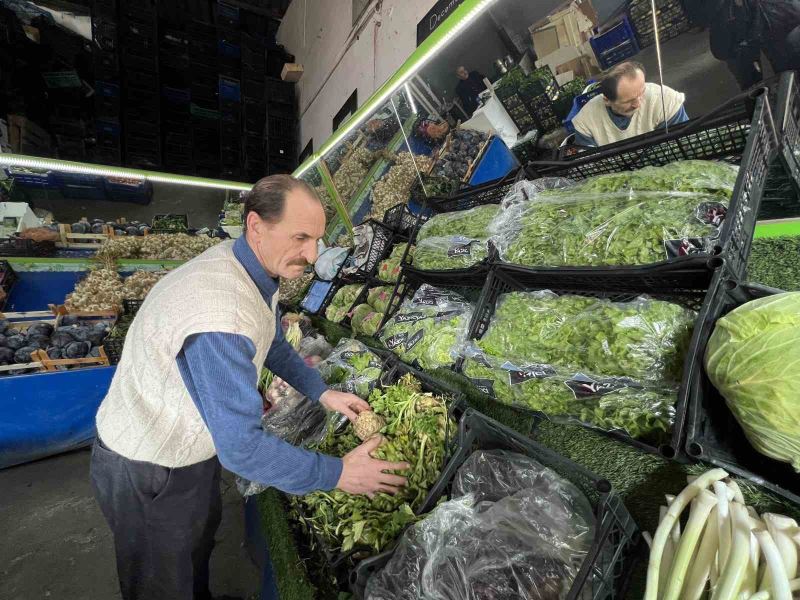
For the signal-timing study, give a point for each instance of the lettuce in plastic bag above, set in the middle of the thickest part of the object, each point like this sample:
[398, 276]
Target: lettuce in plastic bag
[342, 302]
[351, 367]
[428, 328]
[447, 253]
[753, 359]
[471, 223]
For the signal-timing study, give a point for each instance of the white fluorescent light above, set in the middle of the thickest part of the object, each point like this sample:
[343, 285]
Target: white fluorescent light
[34, 162]
[375, 104]
[410, 97]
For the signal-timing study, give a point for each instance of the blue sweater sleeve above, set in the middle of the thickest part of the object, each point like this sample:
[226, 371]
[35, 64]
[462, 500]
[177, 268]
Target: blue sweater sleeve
[218, 371]
[676, 119]
[287, 364]
[584, 140]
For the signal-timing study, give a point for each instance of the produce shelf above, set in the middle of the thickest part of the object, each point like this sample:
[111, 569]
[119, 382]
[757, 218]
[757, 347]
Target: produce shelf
[741, 130]
[712, 433]
[689, 292]
[608, 565]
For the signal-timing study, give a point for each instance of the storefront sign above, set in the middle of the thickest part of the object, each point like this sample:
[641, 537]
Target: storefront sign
[440, 11]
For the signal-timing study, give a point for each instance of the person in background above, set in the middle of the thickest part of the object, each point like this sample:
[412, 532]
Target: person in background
[184, 399]
[626, 107]
[468, 89]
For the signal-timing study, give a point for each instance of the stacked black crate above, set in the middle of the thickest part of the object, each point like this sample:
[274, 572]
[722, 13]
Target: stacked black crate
[254, 107]
[66, 64]
[670, 15]
[176, 118]
[229, 55]
[107, 147]
[204, 106]
[141, 114]
[281, 127]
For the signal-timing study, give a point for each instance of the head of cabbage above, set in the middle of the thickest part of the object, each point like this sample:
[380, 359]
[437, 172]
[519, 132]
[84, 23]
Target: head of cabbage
[753, 359]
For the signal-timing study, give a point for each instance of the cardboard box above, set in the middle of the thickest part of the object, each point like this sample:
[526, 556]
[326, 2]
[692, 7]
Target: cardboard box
[27, 137]
[292, 72]
[545, 41]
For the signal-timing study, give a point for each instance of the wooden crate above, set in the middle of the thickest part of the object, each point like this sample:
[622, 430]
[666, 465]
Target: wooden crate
[49, 364]
[82, 241]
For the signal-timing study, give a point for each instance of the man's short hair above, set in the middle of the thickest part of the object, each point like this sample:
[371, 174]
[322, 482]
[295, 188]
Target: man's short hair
[267, 198]
[609, 83]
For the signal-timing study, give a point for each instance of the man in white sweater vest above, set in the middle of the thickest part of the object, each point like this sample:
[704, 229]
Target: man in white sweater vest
[184, 399]
[627, 106]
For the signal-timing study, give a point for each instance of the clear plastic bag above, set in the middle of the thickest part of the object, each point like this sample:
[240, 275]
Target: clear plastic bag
[351, 367]
[429, 328]
[342, 302]
[389, 269]
[363, 236]
[329, 262]
[644, 339]
[378, 298]
[471, 223]
[643, 411]
[447, 253]
[527, 545]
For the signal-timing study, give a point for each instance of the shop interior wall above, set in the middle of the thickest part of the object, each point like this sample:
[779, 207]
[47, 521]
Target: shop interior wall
[339, 58]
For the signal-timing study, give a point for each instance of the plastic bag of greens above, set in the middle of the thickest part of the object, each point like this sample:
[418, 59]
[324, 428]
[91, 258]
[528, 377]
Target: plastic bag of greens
[472, 223]
[378, 298]
[369, 323]
[351, 367]
[429, 328]
[342, 302]
[644, 339]
[608, 403]
[574, 228]
[446, 253]
[389, 269]
[527, 543]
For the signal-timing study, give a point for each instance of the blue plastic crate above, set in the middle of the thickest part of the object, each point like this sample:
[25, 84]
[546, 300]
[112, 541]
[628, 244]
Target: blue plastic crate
[22, 178]
[79, 186]
[616, 44]
[229, 50]
[230, 89]
[121, 189]
[107, 90]
[176, 95]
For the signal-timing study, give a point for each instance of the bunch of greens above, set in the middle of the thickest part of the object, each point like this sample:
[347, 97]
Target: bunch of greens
[342, 302]
[429, 328]
[415, 432]
[628, 218]
[351, 367]
[366, 318]
[389, 269]
[609, 403]
[170, 223]
[472, 223]
[452, 252]
[644, 339]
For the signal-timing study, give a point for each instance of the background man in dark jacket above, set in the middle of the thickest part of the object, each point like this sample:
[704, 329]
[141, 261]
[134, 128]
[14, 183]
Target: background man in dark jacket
[468, 88]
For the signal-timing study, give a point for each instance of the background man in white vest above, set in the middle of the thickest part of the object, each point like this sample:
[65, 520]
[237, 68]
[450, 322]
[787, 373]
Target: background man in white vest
[184, 399]
[626, 107]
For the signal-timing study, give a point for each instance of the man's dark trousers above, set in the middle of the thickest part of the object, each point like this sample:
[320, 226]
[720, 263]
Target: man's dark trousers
[163, 521]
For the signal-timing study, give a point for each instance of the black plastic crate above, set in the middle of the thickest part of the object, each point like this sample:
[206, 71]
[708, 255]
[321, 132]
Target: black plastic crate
[605, 571]
[104, 8]
[105, 65]
[382, 241]
[712, 433]
[281, 127]
[491, 192]
[22, 247]
[280, 92]
[105, 35]
[788, 125]
[687, 288]
[341, 563]
[742, 129]
[400, 219]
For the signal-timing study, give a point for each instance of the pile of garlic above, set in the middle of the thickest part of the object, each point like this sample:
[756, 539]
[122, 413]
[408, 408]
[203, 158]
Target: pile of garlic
[171, 246]
[139, 284]
[395, 187]
[101, 289]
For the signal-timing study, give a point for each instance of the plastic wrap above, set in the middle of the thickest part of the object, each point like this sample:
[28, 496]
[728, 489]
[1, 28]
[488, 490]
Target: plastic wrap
[378, 298]
[643, 339]
[362, 244]
[447, 253]
[342, 302]
[429, 328]
[526, 540]
[609, 403]
[329, 262]
[351, 367]
[389, 269]
[472, 223]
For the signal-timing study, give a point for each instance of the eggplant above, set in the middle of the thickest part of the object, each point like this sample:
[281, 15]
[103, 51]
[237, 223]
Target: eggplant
[98, 228]
[95, 352]
[23, 355]
[55, 353]
[40, 329]
[39, 341]
[80, 228]
[4, 324]
[61, 338]
[77, 350]
[15, 342]
[6, 356]
[132, 230]
[3, 342]
[96, 337]
[81, 334]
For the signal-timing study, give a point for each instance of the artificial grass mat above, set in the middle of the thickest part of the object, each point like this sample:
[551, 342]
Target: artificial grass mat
[641, 479]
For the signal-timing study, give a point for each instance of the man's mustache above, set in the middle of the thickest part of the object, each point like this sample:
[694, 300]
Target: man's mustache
[299, 263]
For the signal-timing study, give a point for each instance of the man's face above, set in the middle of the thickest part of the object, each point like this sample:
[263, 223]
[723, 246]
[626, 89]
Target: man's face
[286, 247]
[630, 94]
[462, 73]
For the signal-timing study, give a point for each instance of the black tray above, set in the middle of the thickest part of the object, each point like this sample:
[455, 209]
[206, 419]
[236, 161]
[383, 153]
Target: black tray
[400, 219]
[608, 565]
[788, 124]
[690, 292]
[742, 129]
[24, 247]
[712, 433]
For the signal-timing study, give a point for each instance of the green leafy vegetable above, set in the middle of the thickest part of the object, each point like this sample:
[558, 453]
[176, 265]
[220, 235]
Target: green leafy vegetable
[389, 269]
[351, 367]
[644, 339]
[775, 262]
[342, 302]
[472, 223]
[753, 359]
[447, 253]
[415, 432]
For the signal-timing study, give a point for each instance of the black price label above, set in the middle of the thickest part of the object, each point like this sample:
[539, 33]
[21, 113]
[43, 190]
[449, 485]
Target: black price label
[711, 213]
[684, 247]
[583, 386]
[518, 375]
[441, 316]
[485, 386]
[410, 317]
[459, 250]
[348, 354]
[414, 340]
[396, 340]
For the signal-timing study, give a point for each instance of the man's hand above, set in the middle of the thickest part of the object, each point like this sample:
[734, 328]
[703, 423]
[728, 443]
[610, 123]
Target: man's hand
[347, 404]
[362, 474]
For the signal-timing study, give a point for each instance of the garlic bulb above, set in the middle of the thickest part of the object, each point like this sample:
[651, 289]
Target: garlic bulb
[101, 289]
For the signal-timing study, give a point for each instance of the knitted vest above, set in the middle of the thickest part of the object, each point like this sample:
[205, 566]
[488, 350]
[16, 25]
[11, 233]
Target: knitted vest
[148, 414]
[593, 119]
